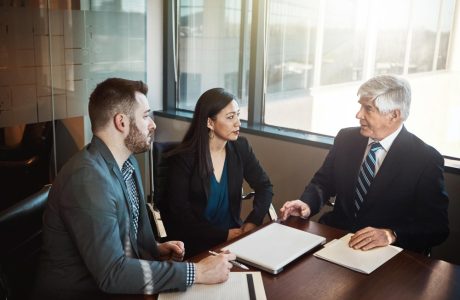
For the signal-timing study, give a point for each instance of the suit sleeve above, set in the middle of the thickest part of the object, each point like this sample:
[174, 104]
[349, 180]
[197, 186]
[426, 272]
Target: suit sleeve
[429, 224]
[321, 188]
[184, 212]
[92, 213]
[258, 180]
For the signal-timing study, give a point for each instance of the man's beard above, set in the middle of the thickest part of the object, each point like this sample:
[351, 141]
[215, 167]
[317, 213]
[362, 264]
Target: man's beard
[136, 142]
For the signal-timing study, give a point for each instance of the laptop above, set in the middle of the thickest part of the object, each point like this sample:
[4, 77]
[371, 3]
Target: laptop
[274, 246]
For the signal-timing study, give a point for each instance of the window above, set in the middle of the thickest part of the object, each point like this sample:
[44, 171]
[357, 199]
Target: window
[391, 38]
[213, 49]
[315, 56]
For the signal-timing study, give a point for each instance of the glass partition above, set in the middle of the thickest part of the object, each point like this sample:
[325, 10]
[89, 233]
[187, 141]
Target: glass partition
[52, 55]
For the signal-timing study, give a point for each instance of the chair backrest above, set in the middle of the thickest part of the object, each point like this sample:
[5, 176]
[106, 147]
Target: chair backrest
[38, 138]
[272, 215]
[20, 232]
[160, 176]
[29, 163]
[160, 170]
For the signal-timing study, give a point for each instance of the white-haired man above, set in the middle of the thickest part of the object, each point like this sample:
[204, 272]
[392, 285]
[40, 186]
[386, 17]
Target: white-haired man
[388, 184]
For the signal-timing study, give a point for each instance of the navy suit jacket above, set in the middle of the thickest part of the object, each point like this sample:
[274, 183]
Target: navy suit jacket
[183, 212]
[88, 241]
[407, 195]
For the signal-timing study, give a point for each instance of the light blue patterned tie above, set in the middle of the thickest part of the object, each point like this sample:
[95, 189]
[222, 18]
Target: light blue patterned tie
[366, 176]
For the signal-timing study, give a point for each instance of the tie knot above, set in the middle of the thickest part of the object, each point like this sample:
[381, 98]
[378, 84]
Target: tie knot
[376, 146]
[127, 170]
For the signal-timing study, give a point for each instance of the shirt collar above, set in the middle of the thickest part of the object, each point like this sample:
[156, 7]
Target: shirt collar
[388, 141]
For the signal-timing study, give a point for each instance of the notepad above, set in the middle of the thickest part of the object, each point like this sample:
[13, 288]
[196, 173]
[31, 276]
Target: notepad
[240, 285]
[338, 251]
[274, 246]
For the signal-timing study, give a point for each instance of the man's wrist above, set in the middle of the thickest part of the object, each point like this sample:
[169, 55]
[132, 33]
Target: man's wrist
[391, 234]
[395, 236]
[305, 213]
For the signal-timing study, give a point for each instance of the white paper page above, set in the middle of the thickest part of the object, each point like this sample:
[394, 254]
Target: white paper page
[235, 288]
[338, 251]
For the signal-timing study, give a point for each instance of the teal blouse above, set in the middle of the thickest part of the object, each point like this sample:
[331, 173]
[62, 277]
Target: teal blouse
[217, 211]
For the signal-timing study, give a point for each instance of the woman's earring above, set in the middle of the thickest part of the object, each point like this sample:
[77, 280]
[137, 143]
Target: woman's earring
[211, 134]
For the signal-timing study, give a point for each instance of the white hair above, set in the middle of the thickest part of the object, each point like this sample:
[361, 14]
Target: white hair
[389, 93]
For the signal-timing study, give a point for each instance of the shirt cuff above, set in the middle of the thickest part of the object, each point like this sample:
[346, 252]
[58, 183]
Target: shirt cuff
[190, 274]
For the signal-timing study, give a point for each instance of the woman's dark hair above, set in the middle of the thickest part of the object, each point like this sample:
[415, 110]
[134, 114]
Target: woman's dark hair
[196, 140]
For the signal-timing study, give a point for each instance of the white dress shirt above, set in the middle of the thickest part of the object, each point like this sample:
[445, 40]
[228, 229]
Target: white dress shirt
[382, 153]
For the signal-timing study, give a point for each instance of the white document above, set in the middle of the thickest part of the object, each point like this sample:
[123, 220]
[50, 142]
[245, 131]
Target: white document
[237, 287]
[274, 246]
[338, 251]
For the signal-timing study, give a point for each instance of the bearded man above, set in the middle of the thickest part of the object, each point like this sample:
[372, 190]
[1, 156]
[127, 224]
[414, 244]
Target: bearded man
[97, 236]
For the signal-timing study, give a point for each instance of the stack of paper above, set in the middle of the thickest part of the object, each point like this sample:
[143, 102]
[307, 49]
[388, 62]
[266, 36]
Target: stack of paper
[240, 285]
[338, 251]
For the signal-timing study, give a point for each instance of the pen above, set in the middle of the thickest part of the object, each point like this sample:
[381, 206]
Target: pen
[233, 262]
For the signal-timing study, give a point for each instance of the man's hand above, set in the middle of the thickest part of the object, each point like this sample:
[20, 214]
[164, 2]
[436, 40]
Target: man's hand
[295, 208]
[369, 237]
[233, 233]
[171, 250]
[214, 269]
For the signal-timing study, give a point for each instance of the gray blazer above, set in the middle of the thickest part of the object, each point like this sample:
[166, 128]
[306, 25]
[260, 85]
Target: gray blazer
[88, 242]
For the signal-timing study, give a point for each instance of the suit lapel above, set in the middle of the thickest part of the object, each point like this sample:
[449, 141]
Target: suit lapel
[232, 169]
[122, 182]
[112, 164]
[144, 229]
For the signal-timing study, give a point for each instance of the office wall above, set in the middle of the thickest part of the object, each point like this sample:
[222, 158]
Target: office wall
[291, 166]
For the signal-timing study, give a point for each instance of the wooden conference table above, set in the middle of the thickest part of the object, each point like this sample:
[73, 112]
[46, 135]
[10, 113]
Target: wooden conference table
[408, 275]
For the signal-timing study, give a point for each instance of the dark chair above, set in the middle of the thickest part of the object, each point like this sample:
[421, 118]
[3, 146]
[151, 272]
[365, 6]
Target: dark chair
[160, 171]
[272, 214]
[20, 232]
[160, 175]
[27, 164]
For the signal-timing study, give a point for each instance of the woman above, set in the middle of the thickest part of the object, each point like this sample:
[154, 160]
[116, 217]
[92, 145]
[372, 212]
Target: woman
[205, 178]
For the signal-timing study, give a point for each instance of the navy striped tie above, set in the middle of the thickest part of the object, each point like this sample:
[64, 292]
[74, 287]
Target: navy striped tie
[366, 176]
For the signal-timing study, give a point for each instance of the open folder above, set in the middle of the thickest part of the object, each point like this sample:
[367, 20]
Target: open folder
[274, 246]
[338, 251]
[240, 285]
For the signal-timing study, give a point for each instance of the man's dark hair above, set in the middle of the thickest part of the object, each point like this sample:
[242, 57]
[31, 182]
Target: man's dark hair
[113, 96]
